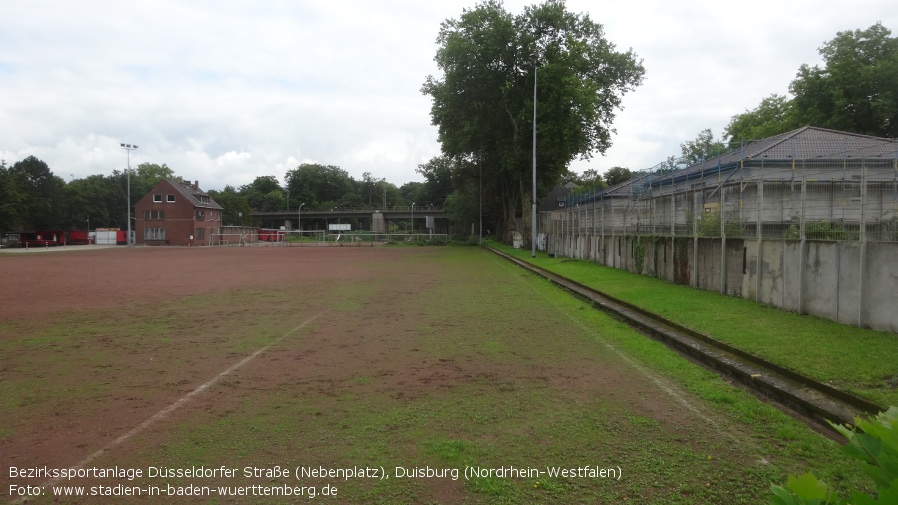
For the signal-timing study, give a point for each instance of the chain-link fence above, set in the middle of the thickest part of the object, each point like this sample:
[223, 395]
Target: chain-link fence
[813, 236]
[800, 199]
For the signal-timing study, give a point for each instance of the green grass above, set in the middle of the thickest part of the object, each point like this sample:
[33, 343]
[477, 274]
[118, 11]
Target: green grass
[857, 360]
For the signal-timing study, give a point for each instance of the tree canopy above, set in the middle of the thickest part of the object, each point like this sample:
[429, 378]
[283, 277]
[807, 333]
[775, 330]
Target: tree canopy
[33, 198]
[855, 91]
[703, 147]
[617, 175]
[483, 102]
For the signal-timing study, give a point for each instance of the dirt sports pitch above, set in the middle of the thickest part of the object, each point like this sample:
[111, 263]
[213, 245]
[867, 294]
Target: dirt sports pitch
[378, 375]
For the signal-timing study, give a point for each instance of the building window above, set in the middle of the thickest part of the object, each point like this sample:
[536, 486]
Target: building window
[200, 214]
[171, 198]
[154, 233]
[151, 215]
[157, 198]
[200, 233]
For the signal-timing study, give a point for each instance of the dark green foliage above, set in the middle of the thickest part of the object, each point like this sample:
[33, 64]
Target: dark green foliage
[822, 230]
[617, 175]
[772, 117]
[34, 194]
[264, 194]
[236, 207]
[327, 186]
[483, 102]
[438, 180]
[875, 443]
[854, 91]
[704, 147]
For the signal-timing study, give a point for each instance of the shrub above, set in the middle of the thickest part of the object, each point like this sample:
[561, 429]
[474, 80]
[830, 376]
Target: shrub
[875, 443]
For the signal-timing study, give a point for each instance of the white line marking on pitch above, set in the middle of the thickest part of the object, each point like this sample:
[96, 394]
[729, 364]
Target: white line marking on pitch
[162, 414]
[661, 383]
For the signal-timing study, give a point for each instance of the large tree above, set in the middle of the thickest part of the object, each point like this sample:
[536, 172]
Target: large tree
[264, 194]
[772, 117]
[146, 176]
[854, 91]
[617, 175]
[96, 201]
[483, 103]
[857, 90]
[12, 196]
[38, 193]
[236, 207]
[321, 186]
[704, 146]
[437, 179]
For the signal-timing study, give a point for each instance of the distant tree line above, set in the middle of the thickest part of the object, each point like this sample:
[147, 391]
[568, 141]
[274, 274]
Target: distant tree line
[317, 186]
[33, 198]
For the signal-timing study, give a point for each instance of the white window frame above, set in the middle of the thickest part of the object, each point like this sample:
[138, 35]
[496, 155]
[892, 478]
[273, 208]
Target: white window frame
[154, 233]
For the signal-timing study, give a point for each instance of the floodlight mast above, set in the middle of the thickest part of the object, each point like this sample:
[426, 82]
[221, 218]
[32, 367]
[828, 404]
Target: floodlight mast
[129, 148]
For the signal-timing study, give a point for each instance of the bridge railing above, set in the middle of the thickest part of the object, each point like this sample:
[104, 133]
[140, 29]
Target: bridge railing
[392, 208]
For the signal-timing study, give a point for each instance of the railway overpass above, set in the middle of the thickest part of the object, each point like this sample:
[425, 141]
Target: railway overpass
[370, 219]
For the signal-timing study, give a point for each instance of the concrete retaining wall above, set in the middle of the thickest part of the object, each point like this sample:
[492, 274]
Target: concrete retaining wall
[849, 282]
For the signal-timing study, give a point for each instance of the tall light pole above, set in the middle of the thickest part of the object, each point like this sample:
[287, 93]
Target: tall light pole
[129, 148]
[413, 218]
[480, 195]
[299, 219]
[533, 210]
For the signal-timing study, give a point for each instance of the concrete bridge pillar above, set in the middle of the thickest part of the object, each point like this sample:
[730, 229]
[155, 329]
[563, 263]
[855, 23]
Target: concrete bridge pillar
[378, 223]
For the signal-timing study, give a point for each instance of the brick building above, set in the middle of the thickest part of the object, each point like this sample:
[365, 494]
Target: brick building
[176, 212]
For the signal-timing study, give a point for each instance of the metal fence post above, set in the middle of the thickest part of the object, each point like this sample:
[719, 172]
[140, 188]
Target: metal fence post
[802, 244]
[695, 215]
[723, 241]
[862, 261]
[759, 232]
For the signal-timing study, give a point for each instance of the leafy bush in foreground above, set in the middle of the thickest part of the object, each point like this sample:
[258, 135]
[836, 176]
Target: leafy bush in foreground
[875, 442]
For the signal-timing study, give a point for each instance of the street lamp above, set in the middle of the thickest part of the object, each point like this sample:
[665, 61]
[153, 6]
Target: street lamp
[129, 148]
[413, 218]
[299, 219]
[533, 210]
[480, 195]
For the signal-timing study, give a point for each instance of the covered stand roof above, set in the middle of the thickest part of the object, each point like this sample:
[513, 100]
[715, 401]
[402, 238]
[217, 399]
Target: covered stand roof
[807, 143]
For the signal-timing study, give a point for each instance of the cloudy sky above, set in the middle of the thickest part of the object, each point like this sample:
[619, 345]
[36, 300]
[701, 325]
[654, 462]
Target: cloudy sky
[223, 91]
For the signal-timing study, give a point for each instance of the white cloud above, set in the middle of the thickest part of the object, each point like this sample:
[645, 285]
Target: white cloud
[226, 91]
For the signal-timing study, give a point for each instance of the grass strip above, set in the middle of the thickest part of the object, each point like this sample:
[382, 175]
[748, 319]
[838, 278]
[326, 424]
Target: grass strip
[858, 360]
